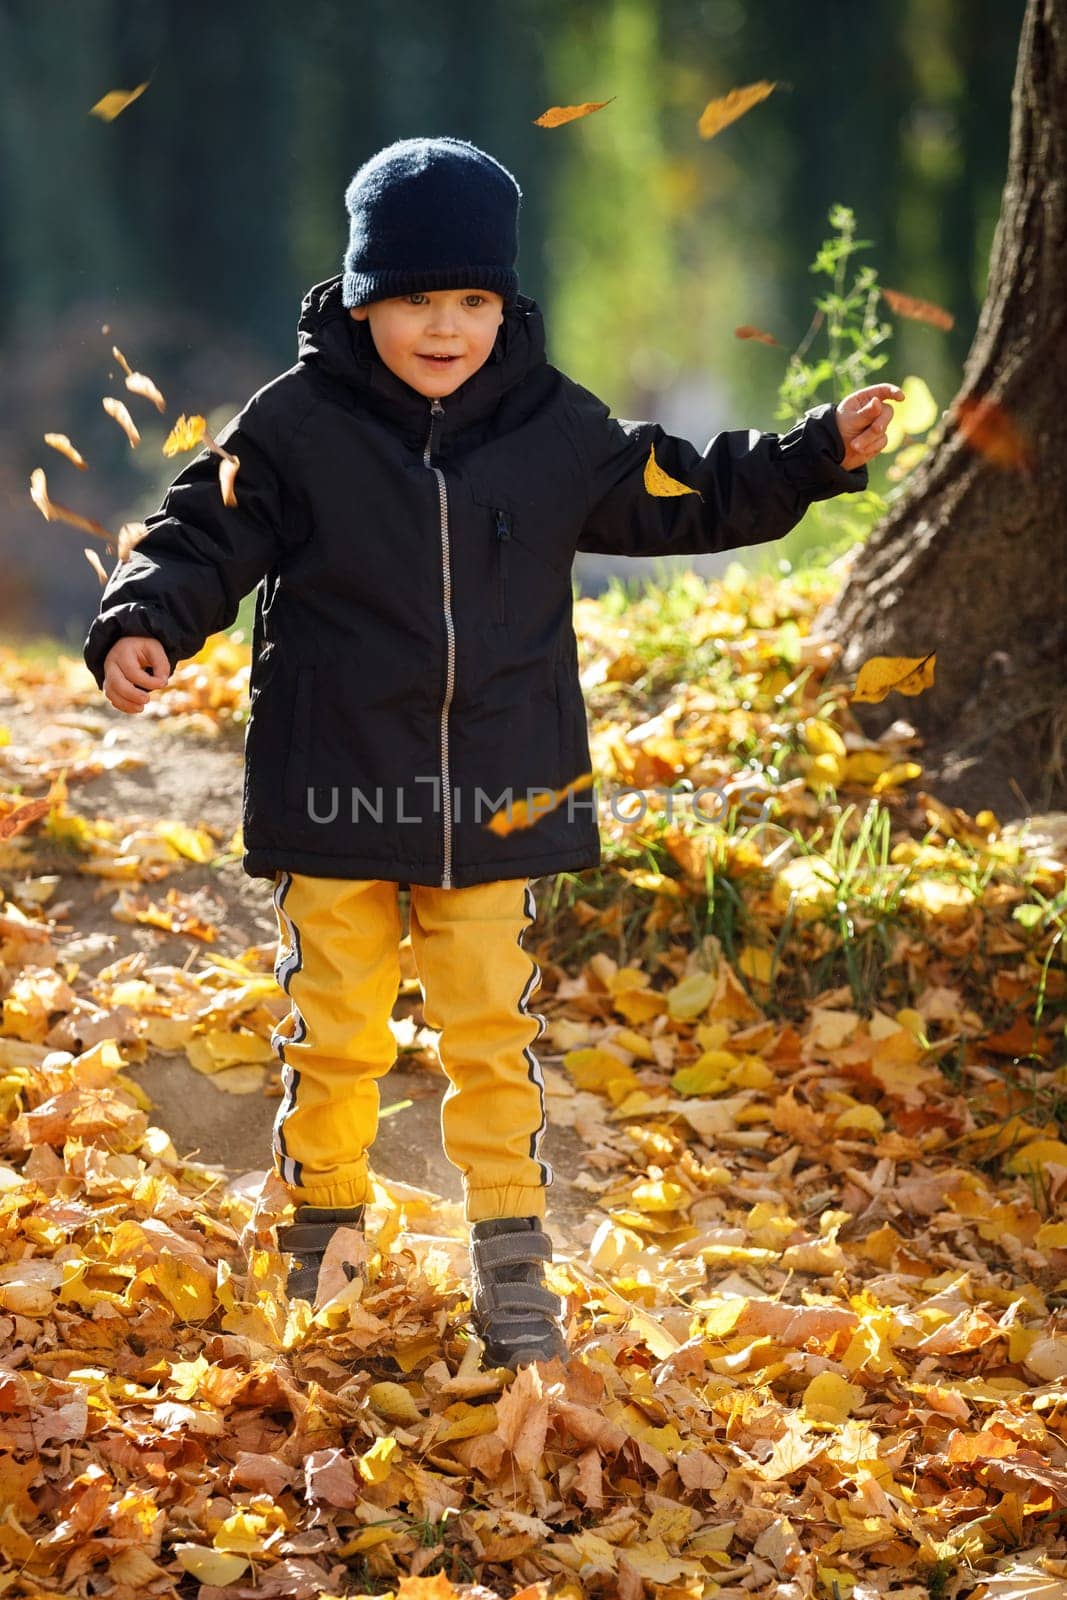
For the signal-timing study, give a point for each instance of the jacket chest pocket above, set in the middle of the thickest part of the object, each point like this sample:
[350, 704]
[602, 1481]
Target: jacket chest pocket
[517, 566]
[495, 524]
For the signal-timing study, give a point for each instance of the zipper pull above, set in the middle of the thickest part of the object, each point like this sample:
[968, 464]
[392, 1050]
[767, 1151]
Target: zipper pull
[436, 410]
[503, 525]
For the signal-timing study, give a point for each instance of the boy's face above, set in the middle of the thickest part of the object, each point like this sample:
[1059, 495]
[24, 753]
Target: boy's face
[412, 330]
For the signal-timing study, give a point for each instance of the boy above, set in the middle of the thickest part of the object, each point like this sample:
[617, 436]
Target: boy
[410, 497]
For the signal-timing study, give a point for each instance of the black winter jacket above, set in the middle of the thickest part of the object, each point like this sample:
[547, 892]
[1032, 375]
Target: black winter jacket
[414, 668]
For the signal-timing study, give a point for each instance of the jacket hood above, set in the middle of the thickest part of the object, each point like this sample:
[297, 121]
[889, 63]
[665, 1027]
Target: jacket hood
[341, 348]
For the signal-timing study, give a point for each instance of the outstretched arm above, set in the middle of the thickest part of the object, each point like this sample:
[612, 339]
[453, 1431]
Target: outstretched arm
[751, 487]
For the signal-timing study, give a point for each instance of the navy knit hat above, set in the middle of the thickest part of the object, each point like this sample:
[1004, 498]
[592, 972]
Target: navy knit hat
[431, 214]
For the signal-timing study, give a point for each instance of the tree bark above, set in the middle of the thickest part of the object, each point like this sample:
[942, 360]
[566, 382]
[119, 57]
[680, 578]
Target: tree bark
[971, 558]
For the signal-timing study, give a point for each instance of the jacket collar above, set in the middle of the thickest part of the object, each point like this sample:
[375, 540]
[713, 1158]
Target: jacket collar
[341, 348]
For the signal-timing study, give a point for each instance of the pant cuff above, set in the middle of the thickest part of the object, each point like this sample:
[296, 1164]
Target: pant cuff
[347, 1192]
[504, 1200]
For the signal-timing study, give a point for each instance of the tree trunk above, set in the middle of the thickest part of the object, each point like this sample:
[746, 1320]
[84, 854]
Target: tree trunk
[971, 559]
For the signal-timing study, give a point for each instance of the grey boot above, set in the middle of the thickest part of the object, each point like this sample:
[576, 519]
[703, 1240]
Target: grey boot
[513, 1312]
[307, 1237]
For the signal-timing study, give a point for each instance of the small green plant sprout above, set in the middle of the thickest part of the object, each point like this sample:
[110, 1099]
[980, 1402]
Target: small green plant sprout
[854, 332]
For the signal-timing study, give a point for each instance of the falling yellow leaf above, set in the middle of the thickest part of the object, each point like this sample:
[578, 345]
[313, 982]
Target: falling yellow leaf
[556, 116]
[661, 483]
[60, 442]
[883, 674]
[917, 412]
[116, 409]
[524, 813]
[717, 114]
[185, 434]
[110, 105]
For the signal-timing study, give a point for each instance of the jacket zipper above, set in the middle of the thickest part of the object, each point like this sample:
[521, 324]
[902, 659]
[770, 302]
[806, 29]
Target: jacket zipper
[503, 534]
[437, 410]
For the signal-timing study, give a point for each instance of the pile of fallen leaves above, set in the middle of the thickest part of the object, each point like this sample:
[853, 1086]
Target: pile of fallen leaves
[817, 1323]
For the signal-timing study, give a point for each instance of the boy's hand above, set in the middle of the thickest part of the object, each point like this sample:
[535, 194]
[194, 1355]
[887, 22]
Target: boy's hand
[133, 667]
[862, 419]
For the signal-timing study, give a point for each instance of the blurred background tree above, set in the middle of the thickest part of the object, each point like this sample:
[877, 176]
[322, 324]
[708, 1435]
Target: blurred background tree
[191, 226]
[969, 559]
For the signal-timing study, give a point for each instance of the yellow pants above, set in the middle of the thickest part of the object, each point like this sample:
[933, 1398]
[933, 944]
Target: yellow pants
[339, 963]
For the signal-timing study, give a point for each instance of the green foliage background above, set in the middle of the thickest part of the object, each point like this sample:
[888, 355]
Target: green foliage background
[194, 223]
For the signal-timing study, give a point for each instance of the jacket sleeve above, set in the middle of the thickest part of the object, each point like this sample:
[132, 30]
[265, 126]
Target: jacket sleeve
[753, 487]
[186, 578]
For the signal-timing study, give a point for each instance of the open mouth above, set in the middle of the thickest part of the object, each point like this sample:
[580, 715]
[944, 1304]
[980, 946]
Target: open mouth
[442, 361]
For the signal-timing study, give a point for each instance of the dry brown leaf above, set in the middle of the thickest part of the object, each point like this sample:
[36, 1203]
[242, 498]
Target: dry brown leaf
[140, 383]
[986, 425]
[60, 442]
[97, 565]
[52, 512]
[23, 816]
[906, 305]
[556, 116]
[746, 331]
[228, 466]
[117, 410]
[130, 536]
[883, 1240]
[718, 114]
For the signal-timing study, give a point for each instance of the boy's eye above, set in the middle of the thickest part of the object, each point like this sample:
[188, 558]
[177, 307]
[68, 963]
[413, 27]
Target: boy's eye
[419, 294]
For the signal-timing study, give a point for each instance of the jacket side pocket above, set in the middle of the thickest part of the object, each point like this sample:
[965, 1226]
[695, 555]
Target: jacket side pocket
[298, 763]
